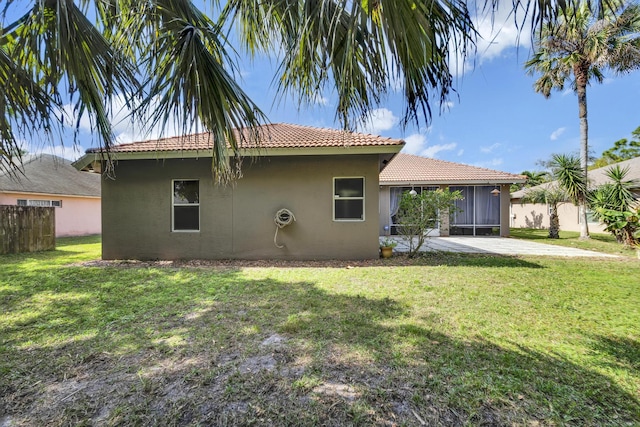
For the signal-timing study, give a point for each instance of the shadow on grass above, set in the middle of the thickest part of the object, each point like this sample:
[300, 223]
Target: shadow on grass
[166, 346]
[455, 259]
[62, 250]
[62, 242]
[624, 352]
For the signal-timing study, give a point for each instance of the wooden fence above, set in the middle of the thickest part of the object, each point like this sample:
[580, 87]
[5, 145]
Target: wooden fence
[27, 229]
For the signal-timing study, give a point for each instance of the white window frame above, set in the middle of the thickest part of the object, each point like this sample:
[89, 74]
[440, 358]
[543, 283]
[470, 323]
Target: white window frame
[39, 203]
[173, 205]
[336, 198]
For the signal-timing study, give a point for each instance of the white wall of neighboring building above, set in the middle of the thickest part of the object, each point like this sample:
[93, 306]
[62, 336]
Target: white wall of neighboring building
[530, 215]
[78, 216]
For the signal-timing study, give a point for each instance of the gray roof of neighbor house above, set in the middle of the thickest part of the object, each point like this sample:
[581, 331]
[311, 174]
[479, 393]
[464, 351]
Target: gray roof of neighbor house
[598, 176]
[47, 174]
[410, 169]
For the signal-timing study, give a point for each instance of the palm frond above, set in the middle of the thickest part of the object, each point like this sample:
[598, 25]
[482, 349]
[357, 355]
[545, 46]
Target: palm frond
[59, 45]
[570, 176]
[361, 50]
[25, 107]
[188, 82]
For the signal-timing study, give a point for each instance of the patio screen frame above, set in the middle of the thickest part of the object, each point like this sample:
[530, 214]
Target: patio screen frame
[485, 227]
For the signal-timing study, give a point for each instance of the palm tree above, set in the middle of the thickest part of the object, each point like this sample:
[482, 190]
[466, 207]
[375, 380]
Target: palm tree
[579, 45]
[169, 61]
[535, 178]
[552, 195]
[567, 171]
[615, 205]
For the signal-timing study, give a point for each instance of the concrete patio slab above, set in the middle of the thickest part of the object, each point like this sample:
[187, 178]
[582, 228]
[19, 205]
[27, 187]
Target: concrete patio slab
[496, 245]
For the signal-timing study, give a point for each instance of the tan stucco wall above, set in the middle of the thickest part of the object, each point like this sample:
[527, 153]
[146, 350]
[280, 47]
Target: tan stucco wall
[236, 221]
[78, 216]
[531, 215]
[504, 210]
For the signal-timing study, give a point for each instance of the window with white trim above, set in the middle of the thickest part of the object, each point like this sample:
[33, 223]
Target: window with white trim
[41, 203]
[186, 205]
[348, 199]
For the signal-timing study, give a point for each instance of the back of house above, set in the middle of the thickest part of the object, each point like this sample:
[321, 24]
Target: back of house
[305, 193]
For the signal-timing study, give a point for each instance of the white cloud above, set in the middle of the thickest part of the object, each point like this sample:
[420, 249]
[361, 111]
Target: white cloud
[567, 92]
[71, 152]
[127, 130]
[379, 120]
[493, 163]
[417, 144]
[557, 133]
[490, 148]
[319, 100]
[432, 150]
[71, 118]
[460, 152]
[497, 31]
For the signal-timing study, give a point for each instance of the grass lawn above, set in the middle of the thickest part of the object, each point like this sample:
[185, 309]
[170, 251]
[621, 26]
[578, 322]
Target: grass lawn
[605, 243]
[441, 340]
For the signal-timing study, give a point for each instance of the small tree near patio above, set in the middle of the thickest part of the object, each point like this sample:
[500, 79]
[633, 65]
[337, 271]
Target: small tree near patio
[553, 195]
[419, 213]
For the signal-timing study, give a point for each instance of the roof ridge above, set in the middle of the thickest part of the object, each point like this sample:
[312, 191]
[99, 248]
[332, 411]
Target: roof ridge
[626, 161]
[460, 164]
[275, 134]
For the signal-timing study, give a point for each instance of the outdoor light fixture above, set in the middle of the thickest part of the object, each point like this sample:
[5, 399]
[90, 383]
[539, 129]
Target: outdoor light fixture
[495, 192]
[413, 193]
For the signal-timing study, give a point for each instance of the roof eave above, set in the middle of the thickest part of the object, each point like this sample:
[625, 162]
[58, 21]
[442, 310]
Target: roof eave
[41, 193]
[89, 158]
[453, 182]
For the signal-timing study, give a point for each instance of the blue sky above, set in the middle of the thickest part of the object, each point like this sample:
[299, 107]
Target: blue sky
[494, 120]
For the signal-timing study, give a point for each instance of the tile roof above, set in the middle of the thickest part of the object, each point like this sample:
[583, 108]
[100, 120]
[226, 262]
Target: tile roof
[47, 174]
[598, 176]
[416, 169]
[279, 135]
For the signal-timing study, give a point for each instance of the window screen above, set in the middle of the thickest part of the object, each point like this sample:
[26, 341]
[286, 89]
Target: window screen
[186, 205]
[348, 199]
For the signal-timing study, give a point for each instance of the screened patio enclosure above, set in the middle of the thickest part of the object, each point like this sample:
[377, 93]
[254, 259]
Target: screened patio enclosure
[478, 213]
[395, 194]
[484, 210]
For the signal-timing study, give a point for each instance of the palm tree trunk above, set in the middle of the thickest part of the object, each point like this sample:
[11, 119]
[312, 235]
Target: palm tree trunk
[554, 223]
[581, 74]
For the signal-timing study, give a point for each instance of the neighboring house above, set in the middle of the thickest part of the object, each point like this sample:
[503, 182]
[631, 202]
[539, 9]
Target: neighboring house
[483, 211]
[48, 180]
[164, 203]
[530, 215]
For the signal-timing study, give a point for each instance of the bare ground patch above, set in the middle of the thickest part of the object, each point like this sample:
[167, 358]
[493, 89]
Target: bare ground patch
[217, 388]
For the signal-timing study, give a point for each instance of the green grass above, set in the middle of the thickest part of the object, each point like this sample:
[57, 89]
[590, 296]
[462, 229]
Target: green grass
[605, 243]
[447, 339]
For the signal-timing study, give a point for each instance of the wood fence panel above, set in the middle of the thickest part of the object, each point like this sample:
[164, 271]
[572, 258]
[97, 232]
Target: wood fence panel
[27, 229]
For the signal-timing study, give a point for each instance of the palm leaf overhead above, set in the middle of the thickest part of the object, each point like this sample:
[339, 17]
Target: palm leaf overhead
[173, 63]
[360, 50]
[66, 52]
[188, 81]
[24, 106]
